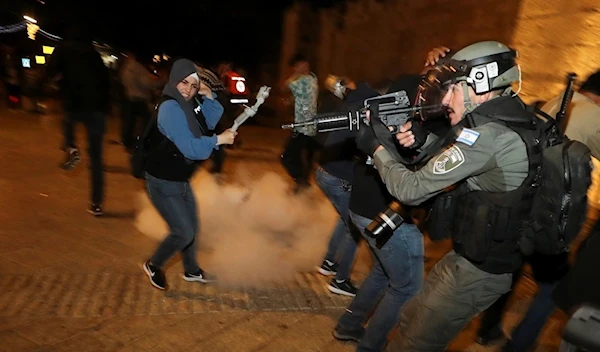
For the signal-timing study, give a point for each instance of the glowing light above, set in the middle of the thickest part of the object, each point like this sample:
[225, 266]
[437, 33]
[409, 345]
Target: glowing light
[48, 50]
[32, 30]
[240, 86]
[30, 19]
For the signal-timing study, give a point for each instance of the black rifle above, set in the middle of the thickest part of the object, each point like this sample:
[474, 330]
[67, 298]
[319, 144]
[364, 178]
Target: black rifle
[394, 111]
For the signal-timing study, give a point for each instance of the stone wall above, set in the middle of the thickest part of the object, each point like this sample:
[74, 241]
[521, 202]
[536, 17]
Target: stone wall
[554, 40]
[370, 40]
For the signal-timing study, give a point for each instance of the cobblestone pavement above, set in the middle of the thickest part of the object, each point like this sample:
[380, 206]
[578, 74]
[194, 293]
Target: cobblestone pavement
[72, 282]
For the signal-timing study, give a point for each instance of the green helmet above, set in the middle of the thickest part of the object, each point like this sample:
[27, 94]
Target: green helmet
[485, 66]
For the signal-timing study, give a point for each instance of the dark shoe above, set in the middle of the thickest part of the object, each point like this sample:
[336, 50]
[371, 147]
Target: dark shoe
[328, 268]
[344, 287]
[508, 347]
[96, 210]
[199, 276]
[348, 335]
[73, 159]
[156, 276]
[490, 336]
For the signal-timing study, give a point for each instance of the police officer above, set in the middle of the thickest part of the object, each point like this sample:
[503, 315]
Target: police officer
[488, 168]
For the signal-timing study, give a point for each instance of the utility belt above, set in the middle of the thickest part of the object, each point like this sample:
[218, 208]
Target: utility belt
[476, 222]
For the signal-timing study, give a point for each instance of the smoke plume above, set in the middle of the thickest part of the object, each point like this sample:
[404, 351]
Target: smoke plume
[255, 233]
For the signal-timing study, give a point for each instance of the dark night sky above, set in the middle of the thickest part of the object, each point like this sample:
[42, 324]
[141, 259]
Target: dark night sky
[245, 31]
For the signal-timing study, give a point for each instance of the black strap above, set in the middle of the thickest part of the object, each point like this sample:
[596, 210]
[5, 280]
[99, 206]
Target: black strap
[199, 116]
[161, 100]
[439, 144]
[154, 122]
[201, 119]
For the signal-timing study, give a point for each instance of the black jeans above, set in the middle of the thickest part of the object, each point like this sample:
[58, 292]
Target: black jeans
[218, 156]
[298, 155]
[218, 159]
[14, 95]
[94, 123]
[135, 111]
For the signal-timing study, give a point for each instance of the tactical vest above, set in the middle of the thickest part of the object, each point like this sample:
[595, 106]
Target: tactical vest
[165, 161]
[486, 226]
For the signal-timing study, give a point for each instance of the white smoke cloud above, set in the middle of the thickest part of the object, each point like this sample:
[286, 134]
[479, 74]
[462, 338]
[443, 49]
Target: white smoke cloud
[255, 233]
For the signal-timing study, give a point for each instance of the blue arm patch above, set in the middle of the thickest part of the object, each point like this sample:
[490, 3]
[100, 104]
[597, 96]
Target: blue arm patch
[468, 137]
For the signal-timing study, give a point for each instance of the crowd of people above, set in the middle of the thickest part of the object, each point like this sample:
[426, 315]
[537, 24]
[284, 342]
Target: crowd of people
[482, 176]
[484, 172]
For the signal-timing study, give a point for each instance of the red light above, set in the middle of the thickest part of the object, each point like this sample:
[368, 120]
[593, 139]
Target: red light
[240, 86]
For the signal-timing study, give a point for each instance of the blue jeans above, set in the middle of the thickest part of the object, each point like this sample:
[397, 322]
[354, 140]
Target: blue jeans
[342, 245]
[526, 333]
[176, 204]
[396, 277]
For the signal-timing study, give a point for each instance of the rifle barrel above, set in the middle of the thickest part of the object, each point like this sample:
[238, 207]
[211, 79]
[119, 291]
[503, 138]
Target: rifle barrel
[564, 104]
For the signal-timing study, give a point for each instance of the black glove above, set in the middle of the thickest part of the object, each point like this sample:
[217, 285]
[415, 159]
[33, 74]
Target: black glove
[383, 134]
[366, 140]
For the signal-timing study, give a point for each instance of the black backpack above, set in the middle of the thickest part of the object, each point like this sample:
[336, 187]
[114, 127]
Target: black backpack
[559, 207]
[562, 178]
[139, 156]
[558, 198]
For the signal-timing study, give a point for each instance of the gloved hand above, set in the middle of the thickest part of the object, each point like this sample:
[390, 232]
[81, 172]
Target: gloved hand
[366, 140]
[383, 134]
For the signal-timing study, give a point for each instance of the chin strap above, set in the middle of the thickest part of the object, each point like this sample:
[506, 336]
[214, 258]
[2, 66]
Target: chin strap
[508, 91]
[520, 83]
[469, 105]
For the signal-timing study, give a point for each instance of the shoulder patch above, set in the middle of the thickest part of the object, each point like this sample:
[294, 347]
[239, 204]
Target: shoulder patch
[468, 137]
[449, 160]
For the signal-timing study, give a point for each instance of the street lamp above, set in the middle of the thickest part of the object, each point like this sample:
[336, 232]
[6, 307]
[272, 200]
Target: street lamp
[30, 19]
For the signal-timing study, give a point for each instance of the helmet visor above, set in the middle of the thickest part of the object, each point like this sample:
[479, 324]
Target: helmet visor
[435, 85]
